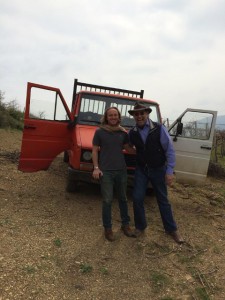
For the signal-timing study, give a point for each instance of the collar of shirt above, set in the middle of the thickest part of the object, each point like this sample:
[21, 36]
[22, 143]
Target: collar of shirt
[144, 131]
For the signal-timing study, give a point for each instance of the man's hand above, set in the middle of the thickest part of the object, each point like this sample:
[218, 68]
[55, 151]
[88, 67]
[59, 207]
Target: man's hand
[97, 173]
[129, 149]
[169, 179]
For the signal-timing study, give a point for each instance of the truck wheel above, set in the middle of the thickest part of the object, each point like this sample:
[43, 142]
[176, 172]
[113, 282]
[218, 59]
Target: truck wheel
[72, 186]
[66, 157]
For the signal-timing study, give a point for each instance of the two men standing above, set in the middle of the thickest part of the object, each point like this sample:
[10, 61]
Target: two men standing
[155, 160]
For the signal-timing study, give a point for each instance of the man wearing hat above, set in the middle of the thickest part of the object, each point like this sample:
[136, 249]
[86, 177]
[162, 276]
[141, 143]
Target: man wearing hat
[155, 161]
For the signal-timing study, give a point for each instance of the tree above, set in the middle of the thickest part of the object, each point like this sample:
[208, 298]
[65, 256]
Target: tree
[1, 97]
[10, 114]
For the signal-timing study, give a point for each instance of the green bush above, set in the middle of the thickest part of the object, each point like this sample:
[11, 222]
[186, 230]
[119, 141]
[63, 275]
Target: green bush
[10, 114]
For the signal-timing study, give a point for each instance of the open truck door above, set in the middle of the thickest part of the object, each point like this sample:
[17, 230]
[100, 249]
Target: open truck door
[192, 135]
[46, 133]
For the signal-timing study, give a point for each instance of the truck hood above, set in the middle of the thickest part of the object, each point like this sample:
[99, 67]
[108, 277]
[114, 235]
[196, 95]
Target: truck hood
[85, 136]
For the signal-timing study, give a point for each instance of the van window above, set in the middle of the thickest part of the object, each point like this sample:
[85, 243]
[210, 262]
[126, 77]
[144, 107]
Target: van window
[196, 125]
[92, 108]
[46, 105]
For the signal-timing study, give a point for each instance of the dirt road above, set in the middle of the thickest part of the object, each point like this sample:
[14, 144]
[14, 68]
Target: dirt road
[52, 246]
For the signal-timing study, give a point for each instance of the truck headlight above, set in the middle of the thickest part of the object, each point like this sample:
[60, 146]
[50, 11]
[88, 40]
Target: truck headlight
[87, 156]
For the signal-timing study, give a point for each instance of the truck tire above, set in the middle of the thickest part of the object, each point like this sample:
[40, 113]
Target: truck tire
[72, 186]
[66, 157]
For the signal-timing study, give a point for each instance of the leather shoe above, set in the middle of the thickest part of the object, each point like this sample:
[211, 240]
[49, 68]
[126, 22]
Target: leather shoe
[138, 232]
[109, 234]
[175, 235]
[127, 231]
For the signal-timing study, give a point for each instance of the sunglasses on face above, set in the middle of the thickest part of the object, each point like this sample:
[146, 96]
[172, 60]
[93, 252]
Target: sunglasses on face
[141, 113]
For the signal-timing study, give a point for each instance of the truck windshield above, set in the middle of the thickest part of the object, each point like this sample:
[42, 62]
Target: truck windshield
[92, 108]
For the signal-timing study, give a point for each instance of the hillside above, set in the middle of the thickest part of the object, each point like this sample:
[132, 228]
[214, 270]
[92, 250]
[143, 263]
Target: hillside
[220, 122]
[52, 244]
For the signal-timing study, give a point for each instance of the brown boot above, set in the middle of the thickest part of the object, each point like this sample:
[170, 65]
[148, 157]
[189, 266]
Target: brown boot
[109, 234]
[175, 235]
[128, 231]
[139, 232]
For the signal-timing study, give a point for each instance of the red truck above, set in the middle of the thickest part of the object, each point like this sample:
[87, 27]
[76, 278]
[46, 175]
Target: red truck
[51, 128]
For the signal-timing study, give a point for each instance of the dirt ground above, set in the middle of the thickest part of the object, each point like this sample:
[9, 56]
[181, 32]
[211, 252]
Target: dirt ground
[52, 244]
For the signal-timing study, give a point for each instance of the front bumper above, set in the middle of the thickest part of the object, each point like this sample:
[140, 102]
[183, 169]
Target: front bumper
[85, 176]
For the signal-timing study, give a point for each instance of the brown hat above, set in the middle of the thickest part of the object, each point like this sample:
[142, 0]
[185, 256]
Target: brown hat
[139, 107]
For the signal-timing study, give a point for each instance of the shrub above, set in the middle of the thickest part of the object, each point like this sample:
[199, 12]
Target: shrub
[10, 114]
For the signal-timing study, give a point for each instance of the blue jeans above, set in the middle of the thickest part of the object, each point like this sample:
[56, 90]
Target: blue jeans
[157, 178]
[114, 180]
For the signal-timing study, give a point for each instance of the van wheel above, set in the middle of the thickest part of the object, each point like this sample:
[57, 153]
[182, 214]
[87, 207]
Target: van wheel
[66, 157]
[72, 186]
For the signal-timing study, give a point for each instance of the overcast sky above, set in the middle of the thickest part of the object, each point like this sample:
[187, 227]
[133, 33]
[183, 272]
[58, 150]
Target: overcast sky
[173, 49]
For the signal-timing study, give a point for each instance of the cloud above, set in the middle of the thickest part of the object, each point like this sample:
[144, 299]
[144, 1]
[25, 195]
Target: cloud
[174, 50]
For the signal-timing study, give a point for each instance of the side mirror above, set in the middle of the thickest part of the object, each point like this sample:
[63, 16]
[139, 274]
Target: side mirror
[179, 129]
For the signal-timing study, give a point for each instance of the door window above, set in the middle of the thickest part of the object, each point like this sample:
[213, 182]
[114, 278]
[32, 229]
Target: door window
[46, 105]
[196, 125]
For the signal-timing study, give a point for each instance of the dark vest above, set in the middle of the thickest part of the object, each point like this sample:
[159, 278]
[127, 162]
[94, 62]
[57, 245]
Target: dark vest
[151, 153]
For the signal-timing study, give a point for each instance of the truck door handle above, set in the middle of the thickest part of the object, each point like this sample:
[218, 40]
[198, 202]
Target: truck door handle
[206, 147]
[30, 127]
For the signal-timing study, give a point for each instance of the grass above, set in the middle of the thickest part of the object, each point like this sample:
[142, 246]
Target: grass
[221, 160]
[104, 270]
[186, 259]
[5, 222]
[222, 190]
[58, 242]
[202, 294]
[159, 280]
[29, 269]
[216, 250]
[85, 268]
